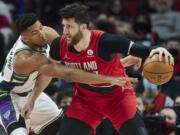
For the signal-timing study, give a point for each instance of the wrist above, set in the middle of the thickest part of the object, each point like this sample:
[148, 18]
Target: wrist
[111, 80]
[32, 97]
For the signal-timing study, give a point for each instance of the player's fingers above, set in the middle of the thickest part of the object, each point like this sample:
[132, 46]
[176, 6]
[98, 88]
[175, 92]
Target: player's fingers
[160, 55]
[131, 79]
[125, 85]
[166, 57]
[128, 87]
[121, 81]
[152, 52]
[118, 82]
[171, 60]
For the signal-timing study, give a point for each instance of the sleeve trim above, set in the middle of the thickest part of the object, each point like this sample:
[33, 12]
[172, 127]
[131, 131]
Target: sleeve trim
[130, 46]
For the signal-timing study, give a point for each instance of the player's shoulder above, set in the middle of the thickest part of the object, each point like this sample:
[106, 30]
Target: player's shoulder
[49, 29]
[98, 32]
[26, 56]
[28, 60]
[51, 34]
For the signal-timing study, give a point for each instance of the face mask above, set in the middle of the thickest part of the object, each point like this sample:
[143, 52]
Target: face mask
[141, 26]
[168, 128]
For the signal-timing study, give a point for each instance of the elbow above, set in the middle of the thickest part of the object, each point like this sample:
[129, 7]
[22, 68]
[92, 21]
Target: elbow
[47, 70]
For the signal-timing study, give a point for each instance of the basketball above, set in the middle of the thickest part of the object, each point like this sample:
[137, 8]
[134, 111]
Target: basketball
[157, 72]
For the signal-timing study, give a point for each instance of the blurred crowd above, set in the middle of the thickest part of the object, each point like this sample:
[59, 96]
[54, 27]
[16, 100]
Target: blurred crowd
[147, 22]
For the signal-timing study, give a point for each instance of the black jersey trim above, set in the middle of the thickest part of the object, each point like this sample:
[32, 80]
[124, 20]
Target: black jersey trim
[54, 49]
[100, 90]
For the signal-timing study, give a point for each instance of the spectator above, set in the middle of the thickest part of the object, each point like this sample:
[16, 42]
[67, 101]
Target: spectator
[148, 6]
[64, 97]
[52, 90]
[172, 87]
[143, 29]
[177, 101]
[117, 9]
[157, 102]
[140, 104]
[5, 10]
[173, 45]
[2, 52]
[165, 22]
[103, 23]
[170, 121]
[161, 101]
[6, 32]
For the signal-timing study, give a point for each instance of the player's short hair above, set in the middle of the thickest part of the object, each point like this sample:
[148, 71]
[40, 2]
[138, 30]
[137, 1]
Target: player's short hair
[77, 11]
[24, 21]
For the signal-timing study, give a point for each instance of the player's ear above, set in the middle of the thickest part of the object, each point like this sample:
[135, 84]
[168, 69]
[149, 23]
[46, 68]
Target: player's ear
[83, 27]
[24, 38]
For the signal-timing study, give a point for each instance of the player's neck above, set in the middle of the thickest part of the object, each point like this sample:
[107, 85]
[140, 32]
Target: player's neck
[84, 42]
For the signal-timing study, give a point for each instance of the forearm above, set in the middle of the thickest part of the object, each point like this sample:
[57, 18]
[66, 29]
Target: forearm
[81, 76]
[112, 44]
[41, 83]
[74, 75]
[140, 50]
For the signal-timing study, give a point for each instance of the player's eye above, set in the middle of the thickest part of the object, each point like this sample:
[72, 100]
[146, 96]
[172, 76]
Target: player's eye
[34, 32]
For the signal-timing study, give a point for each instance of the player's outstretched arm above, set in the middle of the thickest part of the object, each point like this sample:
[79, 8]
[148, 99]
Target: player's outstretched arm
[36, 61]
[41, 83]
[57, 70]
[51, 34]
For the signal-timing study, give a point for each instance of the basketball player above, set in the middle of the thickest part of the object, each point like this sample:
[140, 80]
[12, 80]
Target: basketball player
[27, 71]
[97, 51]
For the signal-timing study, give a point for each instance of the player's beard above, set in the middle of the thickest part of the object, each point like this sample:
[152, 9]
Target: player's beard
[75, 39]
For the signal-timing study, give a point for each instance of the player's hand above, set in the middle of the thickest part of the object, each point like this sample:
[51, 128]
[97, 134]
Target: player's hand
[27, 108]
[163, 52]
[124, 81]
[131, 60]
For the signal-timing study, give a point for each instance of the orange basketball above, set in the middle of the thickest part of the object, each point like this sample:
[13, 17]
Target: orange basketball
[157, 72]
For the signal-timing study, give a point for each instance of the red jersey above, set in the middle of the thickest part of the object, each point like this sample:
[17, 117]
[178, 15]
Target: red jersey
[92, 103]
[89, 60]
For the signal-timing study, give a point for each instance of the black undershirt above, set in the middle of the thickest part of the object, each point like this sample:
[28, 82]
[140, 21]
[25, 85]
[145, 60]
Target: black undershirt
[109, 45]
